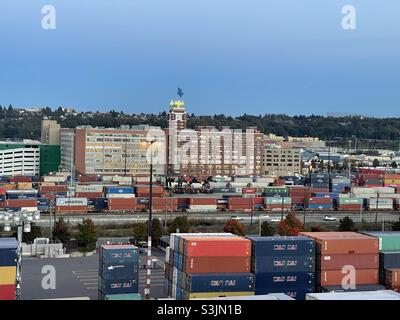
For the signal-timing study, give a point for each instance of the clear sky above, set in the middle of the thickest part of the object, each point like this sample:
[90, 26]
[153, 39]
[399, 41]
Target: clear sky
[229, 56]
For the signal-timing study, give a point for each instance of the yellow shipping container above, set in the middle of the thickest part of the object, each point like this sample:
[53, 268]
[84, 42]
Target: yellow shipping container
[24, 185]
[391, 181]
[47, 184]
[200, 295]
[7, 275]
[10, 186]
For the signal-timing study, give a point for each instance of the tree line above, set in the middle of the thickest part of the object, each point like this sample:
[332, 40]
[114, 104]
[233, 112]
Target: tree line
[18, 124]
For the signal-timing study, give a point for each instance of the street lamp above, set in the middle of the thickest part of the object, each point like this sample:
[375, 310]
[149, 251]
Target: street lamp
[147, 290]
[22, 220]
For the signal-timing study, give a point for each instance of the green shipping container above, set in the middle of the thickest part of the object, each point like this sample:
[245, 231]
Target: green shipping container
[388, 241]
[350, 200]
[277, 200]
[275, 191]
[128, 296]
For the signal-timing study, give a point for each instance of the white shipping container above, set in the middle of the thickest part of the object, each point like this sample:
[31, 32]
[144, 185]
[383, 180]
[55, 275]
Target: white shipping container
[243, 179]
[363, 195]
[358, 295]
[363, 190]
[29, 209]
[54, 179]
[344, 195]
[65, 202]
[22, 191]
[211, 207]
[118, 179]
[384, 190]
[107, 178]
[197, 185]
[120, 195]
[89, 188]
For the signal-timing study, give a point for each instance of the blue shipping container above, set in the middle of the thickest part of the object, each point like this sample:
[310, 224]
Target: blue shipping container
[280, 280]
[119, 271]
[319, 206]
[220, 282]
[262, 264]
[8, 252]
[282, 246]
[119, 254]
[389, 260]
[295, 293]
[123, 190]
[117, 286]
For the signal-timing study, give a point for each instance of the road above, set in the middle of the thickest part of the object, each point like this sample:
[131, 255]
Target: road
[102, 219]
[78, 277]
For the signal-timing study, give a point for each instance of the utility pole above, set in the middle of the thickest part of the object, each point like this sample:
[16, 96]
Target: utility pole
[282, 208]
[376, 211]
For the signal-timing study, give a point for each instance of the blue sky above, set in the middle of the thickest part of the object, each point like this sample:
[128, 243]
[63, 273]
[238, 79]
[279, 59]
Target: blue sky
[229, 56]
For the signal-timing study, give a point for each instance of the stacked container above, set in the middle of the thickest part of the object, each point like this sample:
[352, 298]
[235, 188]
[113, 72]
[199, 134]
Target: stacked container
[319, 180]
[208, 265]
[283, 265]
[118, 271]
[391, 180]
[339, 183]
[350, 204]
[203, 204]
[389, 264]
[89, 191]
[337, 252]
[319, 204]
[278, 203]
[299, 194]
[240, 204]
[275, 192]
[119, 192]
[77, 205]
[8, 268]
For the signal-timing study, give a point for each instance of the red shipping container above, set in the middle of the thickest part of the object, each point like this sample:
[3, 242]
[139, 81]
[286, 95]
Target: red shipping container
[21, 179]
[249, 190]
[318, 190]
[203, 201]
[57, 188]
[216, 246]
[350, 207]
[344, 242]
[278, 207]
[216, 264]
[183, 201]
[335, 277]
[7, 292]
[319, 201]
[370, 171]
[89, 195]
[146, 189]
[358, 261]
[240, 201]
[121, 201]
[87, 178]
[125, 208]
[20, 203]
[2, 191]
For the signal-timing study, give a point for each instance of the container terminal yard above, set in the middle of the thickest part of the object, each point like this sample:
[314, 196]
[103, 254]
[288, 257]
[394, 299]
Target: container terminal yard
[208, 265]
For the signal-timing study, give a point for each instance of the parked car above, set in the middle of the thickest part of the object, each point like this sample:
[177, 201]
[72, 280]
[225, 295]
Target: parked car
[329, 218]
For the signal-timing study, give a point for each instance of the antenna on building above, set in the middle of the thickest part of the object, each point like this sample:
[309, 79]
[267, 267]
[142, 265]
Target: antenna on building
[180, 93]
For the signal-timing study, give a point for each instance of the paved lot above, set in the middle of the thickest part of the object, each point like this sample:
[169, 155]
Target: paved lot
[78, 277]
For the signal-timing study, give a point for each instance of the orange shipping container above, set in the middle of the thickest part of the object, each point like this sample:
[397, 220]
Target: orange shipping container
[335, 277]
[57, 188]
[392, 278]
[24, 185]
[216, 264]
[358, 261]
[20, 203]
[76, 209]
[10, 186]
[344, 242]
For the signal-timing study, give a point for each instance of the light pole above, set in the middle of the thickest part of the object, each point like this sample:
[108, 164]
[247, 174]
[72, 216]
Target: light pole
[22, 220]
[147, 290]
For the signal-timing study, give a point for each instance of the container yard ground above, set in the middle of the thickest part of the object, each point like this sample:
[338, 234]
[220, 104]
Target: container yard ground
[78, 277]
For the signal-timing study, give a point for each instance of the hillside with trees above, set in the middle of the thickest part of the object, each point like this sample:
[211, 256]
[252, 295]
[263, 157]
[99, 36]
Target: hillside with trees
[370, 132]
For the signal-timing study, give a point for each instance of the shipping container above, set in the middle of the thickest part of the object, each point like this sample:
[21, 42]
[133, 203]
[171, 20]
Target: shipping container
[358, 261]
[343, 242]
[335, 277]
[123, 270]
[97, 188]
[282, 246]
[296, 293]
[359, 287]
[388, 240]
[7, 292]
[8, 252]
[207, 295]
[19, 203]
[121, 297]
[118, 190]
[284, 280]
[53, 189]
[120, 286]
[8, 275]
[220, 282]
[216, 264]
[358, 295]
[392, 279]
[70, 202]
[262, 264]
[119, 254]
[216, 246]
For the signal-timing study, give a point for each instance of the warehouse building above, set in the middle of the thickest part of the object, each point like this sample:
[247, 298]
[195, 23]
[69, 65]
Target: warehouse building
[281, 161]
[109, 151]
